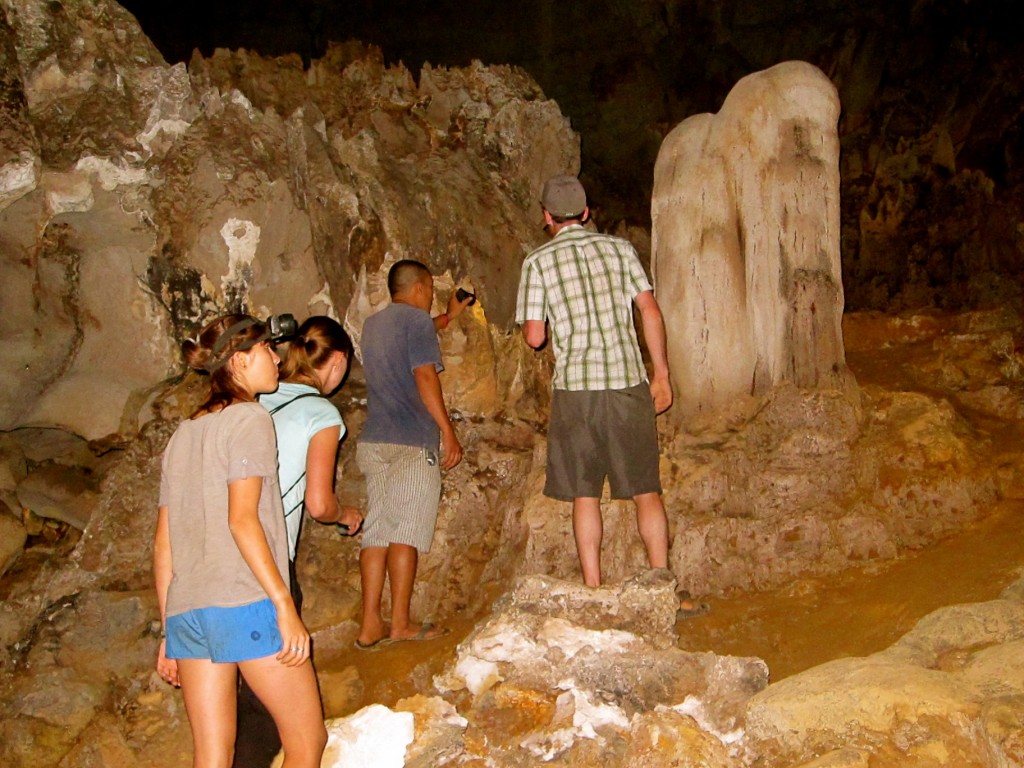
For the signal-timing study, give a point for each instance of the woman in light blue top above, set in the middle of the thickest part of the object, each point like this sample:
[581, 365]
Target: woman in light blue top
[308, 428]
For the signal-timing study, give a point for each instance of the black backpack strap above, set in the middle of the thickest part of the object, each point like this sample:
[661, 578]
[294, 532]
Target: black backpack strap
[272, 412]
[298, 506]
[289, 402]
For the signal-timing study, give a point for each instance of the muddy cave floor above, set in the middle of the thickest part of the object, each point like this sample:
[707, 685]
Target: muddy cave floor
[799, 625]
[792, 628]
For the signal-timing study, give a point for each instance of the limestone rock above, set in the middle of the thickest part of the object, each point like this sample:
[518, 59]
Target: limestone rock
[59, 492]
[1014, 592]
[340, 691]
[12, 539]
[86, 73]
[243, 183]
[586, 660]
[845, 757]
[116, 547]
[667, 738]
[12, 463]
[948, 692]
[960, 627]
[374, 735]
[102, 745]
[745, 241]
[439, 730]
[79, 64]
[56, 698]
[997, 671]
[844, 702]
[19, 146]
[1003, 723]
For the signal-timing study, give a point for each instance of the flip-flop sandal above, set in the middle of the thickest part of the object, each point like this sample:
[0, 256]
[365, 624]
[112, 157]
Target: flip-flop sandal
[377, 644]
[424, 633]
[698, 609]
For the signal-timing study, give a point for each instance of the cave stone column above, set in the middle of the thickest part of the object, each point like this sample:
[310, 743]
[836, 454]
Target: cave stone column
[745, 241]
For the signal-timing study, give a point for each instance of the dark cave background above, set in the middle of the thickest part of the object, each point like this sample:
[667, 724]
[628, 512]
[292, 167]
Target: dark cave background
[920, 228]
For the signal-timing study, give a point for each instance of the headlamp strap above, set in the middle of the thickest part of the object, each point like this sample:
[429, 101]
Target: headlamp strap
[224, 340]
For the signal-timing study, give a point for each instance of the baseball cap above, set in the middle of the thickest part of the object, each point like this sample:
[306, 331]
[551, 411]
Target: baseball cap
[563, 196]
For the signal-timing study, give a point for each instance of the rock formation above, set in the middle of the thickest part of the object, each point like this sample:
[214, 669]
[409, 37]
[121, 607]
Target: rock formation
[137, 198]
[241, 184]
[571, 676]
[745, 241]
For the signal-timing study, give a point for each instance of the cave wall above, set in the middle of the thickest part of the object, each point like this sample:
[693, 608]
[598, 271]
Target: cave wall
[140, 198]
[931, 130]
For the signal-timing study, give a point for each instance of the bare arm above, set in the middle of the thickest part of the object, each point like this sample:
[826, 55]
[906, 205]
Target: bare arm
[535, 333]
[162, 570]
[455, 308]
[429, 386]
[251, 539]
[321, 464]
[654, 336]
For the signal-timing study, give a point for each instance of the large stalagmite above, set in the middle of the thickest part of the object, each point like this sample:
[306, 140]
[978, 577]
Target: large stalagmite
[745, 242]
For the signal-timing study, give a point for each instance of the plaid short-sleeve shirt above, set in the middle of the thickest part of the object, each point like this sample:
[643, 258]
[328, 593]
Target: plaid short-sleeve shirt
[584, 283]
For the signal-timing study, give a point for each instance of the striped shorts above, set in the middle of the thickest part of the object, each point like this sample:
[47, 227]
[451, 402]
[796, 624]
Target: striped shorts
[403, 490]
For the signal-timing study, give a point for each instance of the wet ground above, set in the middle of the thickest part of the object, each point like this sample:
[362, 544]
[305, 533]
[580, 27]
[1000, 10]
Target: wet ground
[815, 619]
[793, 628]
[862, 611]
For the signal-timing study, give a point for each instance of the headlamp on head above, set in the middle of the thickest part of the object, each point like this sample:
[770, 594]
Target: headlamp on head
[277, 327]
[282, 327]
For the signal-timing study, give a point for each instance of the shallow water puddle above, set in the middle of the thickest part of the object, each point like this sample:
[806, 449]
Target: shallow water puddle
[861, 611]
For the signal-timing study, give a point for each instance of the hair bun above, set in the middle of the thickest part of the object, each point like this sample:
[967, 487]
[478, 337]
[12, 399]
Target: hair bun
[196, 356]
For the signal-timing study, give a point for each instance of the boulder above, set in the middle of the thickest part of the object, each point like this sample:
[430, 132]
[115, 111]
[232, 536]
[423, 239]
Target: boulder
[949, 692]
[852, 702]
[59, 492]
[557, 662]
[12, 539]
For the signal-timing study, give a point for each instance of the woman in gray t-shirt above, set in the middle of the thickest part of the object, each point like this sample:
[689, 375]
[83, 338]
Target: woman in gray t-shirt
[221, 556]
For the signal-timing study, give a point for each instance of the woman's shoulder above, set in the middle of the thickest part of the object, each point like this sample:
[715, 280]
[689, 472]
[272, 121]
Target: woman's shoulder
[245, 415]
[247, 410]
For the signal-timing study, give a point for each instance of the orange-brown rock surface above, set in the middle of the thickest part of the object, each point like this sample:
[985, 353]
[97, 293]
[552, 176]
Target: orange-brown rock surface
[137, 198]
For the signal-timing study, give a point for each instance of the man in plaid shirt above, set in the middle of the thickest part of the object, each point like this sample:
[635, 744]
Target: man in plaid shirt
[583, 285]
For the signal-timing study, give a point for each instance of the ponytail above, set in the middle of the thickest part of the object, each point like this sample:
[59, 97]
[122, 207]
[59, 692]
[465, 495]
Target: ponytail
[317, 339]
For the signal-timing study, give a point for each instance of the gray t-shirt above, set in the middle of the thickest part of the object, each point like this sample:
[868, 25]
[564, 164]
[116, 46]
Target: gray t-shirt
[201, 458]
[395, 341]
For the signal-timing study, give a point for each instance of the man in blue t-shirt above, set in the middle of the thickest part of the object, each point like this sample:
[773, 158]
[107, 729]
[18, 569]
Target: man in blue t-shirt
[406, 442]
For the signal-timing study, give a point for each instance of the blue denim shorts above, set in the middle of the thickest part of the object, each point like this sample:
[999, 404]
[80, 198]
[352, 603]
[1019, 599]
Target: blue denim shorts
[224, 634]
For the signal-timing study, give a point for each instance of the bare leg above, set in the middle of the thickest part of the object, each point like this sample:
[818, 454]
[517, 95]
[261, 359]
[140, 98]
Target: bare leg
[653, 526]
[291, 696]
[372, 571]
[210, 691]
[402, 563]
[588, 530]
